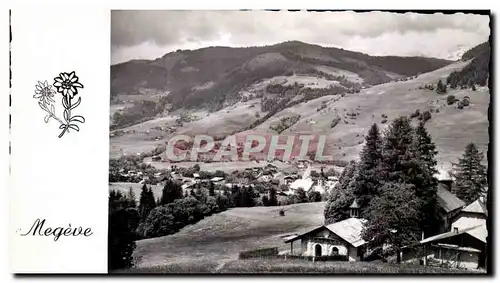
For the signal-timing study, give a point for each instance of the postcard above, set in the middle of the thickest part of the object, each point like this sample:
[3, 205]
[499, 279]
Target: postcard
[250, 142]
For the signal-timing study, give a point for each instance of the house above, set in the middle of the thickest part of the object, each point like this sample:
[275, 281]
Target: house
[156, 158]
[340, 238]
[449, 206]
[457, 248]
[463, 245]
[472, 215]
[305, 182]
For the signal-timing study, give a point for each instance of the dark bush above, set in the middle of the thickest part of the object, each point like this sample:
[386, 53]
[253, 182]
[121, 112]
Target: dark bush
[450, 99]
[415, 114]
[282, 212]
[314, 196]
[335, 121]
[465, 101]
[426, 116]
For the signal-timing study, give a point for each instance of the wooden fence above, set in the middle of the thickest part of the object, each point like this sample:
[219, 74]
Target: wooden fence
[316, 258]
[273, 253]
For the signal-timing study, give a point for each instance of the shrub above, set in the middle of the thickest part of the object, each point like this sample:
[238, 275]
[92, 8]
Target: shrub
[222, 202]
[384, 116]
[426, 116]
[265, 200]
[335, 121]
[465, 101]
[314, 196]
[282, 212]
[415, 114]
[384, 121]
[441, 87]
[450, 99]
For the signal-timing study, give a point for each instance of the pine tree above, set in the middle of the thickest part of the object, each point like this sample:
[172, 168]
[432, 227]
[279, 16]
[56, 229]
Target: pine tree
[265, 200]
[235, 196]
[470, 175]
[131, 197]
[144, 208]
[211, 190]
[398, 139]
[151, 198]
[425, 183]
[368, 177]
[273, 199]
[171, 191]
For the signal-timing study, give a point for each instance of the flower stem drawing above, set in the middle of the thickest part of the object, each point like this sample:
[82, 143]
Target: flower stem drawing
[67, 85]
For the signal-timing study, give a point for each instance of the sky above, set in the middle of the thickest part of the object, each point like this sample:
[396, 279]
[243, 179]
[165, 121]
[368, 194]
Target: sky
[151, 34]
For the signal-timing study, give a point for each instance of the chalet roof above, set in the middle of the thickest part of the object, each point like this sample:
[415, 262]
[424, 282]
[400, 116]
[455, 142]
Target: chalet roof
[453, 233]
[348, 229]
[457, 248]
[216, 179]
[448, 201]
[476, 207]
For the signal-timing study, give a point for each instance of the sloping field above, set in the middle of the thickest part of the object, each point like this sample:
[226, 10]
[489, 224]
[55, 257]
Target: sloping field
[221, 237]
[451, 128]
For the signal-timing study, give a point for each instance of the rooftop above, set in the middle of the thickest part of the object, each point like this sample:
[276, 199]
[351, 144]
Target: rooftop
[448, 201]
[476, 207]
[452, 234]
[348, 229]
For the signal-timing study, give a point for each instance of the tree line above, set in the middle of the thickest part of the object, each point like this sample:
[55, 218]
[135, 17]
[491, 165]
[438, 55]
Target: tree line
[155, 217]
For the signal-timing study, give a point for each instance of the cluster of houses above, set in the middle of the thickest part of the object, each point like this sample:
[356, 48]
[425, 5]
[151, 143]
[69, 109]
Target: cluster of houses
[263, 175]
[460, 242]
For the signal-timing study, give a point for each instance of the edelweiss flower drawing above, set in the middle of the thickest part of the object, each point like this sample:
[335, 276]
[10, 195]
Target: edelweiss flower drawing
[66, 85]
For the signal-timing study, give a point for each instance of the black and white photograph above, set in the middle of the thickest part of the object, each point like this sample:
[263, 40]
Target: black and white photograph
[297, 142]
